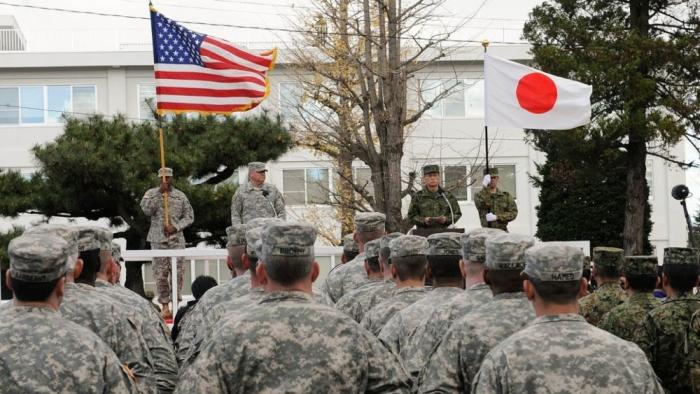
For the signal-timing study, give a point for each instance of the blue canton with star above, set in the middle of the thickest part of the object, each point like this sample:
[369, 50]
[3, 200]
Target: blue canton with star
[174, 44]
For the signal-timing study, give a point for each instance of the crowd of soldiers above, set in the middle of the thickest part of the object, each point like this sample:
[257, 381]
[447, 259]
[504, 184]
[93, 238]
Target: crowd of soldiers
[485, 311]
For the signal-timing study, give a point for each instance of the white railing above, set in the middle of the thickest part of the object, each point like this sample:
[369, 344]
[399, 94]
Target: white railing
[12, 40]
[330, 255]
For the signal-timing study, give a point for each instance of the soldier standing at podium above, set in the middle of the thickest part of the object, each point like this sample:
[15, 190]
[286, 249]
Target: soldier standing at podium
[432, 206]
[496, 207]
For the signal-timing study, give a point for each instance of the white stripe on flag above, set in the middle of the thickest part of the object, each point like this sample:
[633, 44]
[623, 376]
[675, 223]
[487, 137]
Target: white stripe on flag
[206, 100]
[187, 83]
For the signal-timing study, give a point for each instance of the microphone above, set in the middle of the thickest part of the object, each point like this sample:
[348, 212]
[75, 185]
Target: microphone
[452, 214]
[266, 193]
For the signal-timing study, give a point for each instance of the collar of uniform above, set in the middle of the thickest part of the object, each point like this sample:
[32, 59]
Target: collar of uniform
[558, 318]
[637, 296]
[251, 187]
[446, 289]
[683, 297]
[278, 296]
[609, 286]
[46, 310]
[246, 274]
[102, 283]
[509, 296]
[479, 286]
[409, 290]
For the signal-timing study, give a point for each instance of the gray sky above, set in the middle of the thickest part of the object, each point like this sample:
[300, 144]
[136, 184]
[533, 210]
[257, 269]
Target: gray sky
[496, 20]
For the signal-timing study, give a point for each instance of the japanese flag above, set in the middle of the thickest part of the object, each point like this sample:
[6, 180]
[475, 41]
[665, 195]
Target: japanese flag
[523, 97]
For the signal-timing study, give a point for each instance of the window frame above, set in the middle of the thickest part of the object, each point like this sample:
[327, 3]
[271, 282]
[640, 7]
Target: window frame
[306, 189]
[45, 89]
[138, 99]
[466, 84]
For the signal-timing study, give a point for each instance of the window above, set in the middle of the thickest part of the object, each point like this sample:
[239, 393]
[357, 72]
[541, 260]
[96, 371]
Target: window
[465, 98]
[37, 105]
[146, 92]
[290, 98]
[455, 181]
[363, 178]
[307, 186]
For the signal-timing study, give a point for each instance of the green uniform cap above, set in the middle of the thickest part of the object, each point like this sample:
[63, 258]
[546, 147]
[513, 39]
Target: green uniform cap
[493, 171]
[553, 262]
[372, 249]
[430, 169]
[38, 258]
[288, 240]
[366, 222]
[608, 257]
[444, 244]
[677, 256]
[507, 251]
[641, 265]
[408, 245]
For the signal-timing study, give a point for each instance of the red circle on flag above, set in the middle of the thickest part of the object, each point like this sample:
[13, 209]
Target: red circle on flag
[536, 93]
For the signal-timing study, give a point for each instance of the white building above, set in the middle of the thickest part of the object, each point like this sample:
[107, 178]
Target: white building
[35, 87]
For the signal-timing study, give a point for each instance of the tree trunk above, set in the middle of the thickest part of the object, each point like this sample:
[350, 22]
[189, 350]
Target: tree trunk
[636, 196]
[346, 194]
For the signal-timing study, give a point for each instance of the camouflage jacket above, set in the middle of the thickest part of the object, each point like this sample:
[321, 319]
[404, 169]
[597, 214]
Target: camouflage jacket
[359, 301]
[249, 202]
[601, 301]
[378, 316]
[433, 326]
[154, 331]
[625, 319]
[500, 204]
[345, 278]
[564, 354]
[43, 353]
[181, 214]
[289, 344]
[456, 360]
[397, 331]
[432, 204]
[120, 329]
[224, 292]
[663, 337]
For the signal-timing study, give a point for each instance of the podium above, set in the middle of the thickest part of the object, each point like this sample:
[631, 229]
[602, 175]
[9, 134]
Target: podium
[424, 232]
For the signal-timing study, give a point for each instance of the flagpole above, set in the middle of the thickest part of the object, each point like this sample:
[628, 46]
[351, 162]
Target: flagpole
[485, 44]
[162, 165]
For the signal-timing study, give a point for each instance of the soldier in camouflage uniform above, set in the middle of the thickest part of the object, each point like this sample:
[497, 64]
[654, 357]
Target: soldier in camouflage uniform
[496, 207]
[256, 199]
[664, 334]
[235, 288]
[116, 324]
[559, 352]
[408, 265]
[640, 281]
[359, 301]
[350, 249]
[430, 206]
[41, 352]
[443, 266]
[606, 271]
[346, 277]
[456, 360]
[287, 342]
[162, 236]
[433, 326]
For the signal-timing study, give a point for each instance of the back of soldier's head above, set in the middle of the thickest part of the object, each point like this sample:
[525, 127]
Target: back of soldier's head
[444, 253]
[555, 271]
[640, 273]
[235, 244]
[70, 234]
[408, 255]
[369, 226]
[681, 268]
[350, 247]
[372, 255]
[505, 260]
[384, 249]
[608, 262]
[201, 285]
[95, 247]
[37, 264]
[288, 251]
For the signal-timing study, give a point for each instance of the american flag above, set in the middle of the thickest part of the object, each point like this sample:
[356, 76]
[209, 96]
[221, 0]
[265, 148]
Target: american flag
[199, 73]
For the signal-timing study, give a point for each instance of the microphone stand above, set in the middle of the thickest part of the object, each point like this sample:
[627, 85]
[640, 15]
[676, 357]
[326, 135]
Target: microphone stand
[452, 214]
[265, 193]
[690, 225]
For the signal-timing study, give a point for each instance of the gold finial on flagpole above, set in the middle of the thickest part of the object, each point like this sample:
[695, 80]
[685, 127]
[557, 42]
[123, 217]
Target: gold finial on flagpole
[485, 44]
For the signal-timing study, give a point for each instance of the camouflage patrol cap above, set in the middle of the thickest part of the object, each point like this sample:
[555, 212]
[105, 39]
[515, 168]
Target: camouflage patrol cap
[430, 169]
[260, 222]
[553, 262]
[608, 257]
[288, 240]
[473, 243]
[507, 251]
[385, 240]
[677, 256]
[116, 251]
[366, 222]
[349, 244]
[372, 249]
[641, 265]
[38, 258]
[235, 235]
[493, 171]
[69, 233]
[256, 166]
[165, 171]
[94, 237]
[408, 245]
[444, 244]
[251, 237]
